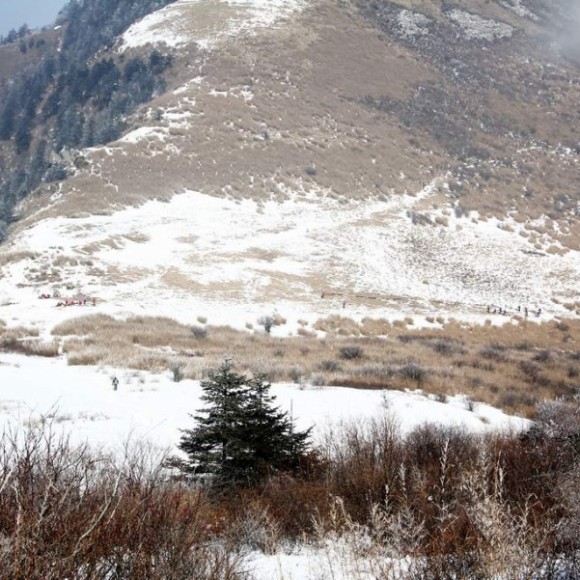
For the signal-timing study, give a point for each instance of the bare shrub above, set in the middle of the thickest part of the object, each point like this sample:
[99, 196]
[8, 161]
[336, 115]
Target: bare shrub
[199, 332]
[495, 352]
[330, 366]
[176, 368]
[558, 418]
[543, 356]
[256, 529]
[413, 372]
[66, 512]
[513, 400]
[46, 349]
[296, 375]
[267, 322]
[351, 352]
[446, 347]
[318, 380]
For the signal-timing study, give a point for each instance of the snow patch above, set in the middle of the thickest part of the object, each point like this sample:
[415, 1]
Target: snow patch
[477, 28]
[412, 24]
[233, 261]
[517, 6]
[144, 133]
[152, 408]
[177, 24]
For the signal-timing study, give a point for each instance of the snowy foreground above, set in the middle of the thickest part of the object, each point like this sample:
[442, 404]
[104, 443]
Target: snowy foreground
[152, 408]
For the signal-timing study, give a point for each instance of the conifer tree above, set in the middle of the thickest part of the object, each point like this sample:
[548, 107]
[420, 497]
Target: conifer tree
[240, 436]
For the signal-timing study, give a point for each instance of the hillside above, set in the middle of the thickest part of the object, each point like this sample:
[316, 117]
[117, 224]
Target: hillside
[371, 204]
[411, 160]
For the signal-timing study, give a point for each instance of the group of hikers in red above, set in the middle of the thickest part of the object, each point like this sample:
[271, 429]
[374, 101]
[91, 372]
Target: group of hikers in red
[80, 301]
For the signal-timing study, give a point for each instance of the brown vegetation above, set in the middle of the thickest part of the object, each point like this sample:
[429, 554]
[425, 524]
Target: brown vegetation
[25, 341]
[66, 512]
[513, 367]
[454, 505]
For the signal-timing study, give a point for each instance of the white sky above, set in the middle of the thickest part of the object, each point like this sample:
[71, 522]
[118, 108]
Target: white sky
[35, 13]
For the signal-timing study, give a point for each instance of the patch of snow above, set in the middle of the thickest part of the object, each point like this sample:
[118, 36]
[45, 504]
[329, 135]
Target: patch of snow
[151, 407]
[339, 558]
[177, 24]
[412, 24]
[144, 133]
[477, 28]
[188, 85]
[234, 261]
[517, 6]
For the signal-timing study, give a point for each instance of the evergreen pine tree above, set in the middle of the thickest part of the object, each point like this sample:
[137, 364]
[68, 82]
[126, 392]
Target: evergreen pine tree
[240, 437]
[274, 442]
[211, 444]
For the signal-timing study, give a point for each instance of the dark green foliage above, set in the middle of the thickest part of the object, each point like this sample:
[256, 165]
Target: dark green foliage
[240, 437]
[72, 97]
[95, 24]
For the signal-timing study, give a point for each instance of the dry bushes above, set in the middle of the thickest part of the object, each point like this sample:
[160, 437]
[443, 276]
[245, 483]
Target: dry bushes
[14, 257]
[23, 340]
[513, 367]
[68, 513]
[454, 504]
[438, 503]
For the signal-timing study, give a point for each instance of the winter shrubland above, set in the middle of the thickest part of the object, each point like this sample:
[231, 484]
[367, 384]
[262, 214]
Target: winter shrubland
[72, 512]
[512, 367]
[437, 503]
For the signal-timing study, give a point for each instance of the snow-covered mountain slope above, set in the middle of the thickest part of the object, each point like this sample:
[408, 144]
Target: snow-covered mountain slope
[308, 257]
[177, 24]
[348, 157]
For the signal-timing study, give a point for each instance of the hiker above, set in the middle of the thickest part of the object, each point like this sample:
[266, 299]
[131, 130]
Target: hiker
[488, 308]
[115, 382]
[538, 314]
[526, 311]
[519, 308]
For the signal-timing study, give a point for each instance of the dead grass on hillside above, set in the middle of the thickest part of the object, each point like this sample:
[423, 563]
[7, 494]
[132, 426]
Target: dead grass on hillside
[7, 258]
[512, 367]
[23, 340]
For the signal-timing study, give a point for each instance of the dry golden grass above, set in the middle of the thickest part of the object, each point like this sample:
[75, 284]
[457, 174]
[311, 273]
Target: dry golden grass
[512, 367]
[14, 257]
[16, 332]
[25, 341]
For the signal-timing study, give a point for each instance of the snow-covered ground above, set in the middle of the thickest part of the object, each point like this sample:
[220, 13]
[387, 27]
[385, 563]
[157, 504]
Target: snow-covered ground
[233, 261]
[152, 408]
[186, 20]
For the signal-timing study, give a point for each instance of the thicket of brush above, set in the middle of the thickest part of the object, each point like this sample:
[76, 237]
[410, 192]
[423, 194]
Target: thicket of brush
[435, 504]
[513, 367]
